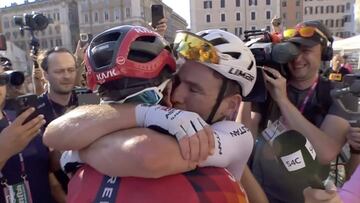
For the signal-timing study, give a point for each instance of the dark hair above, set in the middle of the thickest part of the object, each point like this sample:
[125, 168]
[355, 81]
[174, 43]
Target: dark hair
[43, 59]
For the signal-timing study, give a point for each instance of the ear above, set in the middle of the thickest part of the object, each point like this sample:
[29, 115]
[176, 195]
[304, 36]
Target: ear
[232, 105]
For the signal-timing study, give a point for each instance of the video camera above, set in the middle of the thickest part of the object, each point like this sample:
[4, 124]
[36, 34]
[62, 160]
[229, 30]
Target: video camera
[268, 51]
[12, 77]
[350, 105]
[31, 21]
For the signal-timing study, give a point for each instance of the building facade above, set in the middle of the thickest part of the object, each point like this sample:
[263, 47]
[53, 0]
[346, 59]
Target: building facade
[291, 12]
[338, 16]
[235, 16]
[99, 15]
[64, 17]
[238, 15]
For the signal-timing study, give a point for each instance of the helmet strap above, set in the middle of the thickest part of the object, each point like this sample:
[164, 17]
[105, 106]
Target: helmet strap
[219, 99]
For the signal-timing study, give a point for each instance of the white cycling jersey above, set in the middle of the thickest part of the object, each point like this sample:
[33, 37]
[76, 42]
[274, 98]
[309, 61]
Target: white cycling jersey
[233, 146]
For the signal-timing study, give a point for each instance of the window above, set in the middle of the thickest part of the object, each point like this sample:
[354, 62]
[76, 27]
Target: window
[347, 6]
[86, 18]
[58, 42]
[106, 15]
[208, 19]
[284, 15]
[317, 8]
[222, 4]
[128, 12]
[331, 23]
[268, 28]
[253, 28]
[57, 29]
[238, 31]
[50, 30]
[252, 2]
[54, 16]
[222, 17]
[6, 23]
[15, 34]
[297, 2]
[96, 18]
[237, 2]
[337, 23]
[58, 16]
[253, 15]
[207, 4]
[337, 8]
[238, 16]
[225, 29]
[116, 13]
[268, 2]
[342, 9]
[268, 14]
[51, 43]
[322, 9]
[283, 4]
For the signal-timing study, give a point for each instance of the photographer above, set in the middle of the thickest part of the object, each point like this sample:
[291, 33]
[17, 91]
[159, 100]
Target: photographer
[299, 103]
[23, 164]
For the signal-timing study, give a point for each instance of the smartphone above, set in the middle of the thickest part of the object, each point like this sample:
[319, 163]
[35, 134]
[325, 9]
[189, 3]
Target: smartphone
[2, 42]
[86, 96]
[85, 38]
[21, 104]
[157, 13]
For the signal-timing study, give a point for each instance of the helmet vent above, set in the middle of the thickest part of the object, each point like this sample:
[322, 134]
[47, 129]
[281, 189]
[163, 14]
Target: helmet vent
[235, 55]
[219, 41]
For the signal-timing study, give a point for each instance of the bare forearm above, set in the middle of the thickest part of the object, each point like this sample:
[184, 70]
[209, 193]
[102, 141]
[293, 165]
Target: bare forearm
[326, 141]
[85, 124]
[252, 187]
[136, 152]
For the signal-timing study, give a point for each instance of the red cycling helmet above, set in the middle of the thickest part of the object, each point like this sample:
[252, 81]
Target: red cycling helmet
[127, 52]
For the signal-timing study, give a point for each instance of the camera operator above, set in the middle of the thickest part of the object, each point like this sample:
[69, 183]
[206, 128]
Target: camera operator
[300, 102]
[22, 163]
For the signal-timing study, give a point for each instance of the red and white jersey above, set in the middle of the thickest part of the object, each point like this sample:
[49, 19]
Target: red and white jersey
[203, 185]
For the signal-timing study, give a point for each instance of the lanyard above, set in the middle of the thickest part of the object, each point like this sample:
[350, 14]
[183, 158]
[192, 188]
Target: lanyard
[308, 95]
[21, 158]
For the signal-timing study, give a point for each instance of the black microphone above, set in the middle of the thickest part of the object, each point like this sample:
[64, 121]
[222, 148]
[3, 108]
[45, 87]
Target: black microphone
[284, 52]
[354, 89]
[298, 157]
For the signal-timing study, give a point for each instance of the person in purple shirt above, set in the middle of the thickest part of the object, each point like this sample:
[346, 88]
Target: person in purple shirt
[24, 166]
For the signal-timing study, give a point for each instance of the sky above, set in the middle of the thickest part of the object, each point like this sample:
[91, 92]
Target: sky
[179, 6]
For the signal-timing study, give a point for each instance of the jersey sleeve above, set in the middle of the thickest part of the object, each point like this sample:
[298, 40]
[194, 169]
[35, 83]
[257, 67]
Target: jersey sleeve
[233, 146]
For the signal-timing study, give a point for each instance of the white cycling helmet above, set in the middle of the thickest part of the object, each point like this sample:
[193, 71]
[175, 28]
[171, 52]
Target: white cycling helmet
[236, 60]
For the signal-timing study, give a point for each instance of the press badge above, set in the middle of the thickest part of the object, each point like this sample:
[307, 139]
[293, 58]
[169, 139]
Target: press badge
[335, 77]
[273, 130]
[17, 193]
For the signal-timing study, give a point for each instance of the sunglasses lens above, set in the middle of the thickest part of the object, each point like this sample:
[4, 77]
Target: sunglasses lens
[195, 48]
[146, 97]
[288, 33]
[307, 31]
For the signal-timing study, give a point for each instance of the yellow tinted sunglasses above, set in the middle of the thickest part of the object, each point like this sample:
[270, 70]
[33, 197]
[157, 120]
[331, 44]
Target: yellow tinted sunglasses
[306, 31]
[193, 47]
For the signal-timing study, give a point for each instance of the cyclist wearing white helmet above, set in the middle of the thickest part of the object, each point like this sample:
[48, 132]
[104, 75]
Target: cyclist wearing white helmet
[214, 95]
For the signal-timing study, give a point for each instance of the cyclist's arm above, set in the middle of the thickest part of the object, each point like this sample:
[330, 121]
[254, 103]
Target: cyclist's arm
[85, 124]
[137, 152]
[150, 154]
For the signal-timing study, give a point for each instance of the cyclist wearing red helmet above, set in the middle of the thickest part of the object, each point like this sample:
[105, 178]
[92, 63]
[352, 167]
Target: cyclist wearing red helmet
[219, 90]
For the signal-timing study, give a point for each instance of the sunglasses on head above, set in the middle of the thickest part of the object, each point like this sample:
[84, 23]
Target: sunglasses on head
[193, 47]
[151, 96]
[305, 31]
